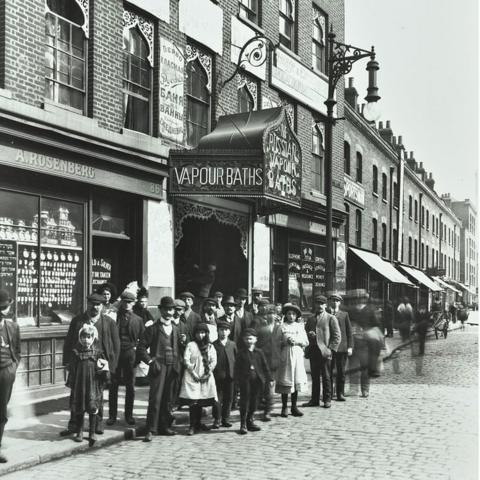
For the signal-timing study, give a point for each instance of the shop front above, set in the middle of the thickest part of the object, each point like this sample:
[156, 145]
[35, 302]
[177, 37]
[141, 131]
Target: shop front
[68, 222]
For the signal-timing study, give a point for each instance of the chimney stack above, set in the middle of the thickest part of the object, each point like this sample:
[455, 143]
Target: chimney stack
[351, 94]
[446, 199]
[430, 182]
[386, 133]
[411, 162]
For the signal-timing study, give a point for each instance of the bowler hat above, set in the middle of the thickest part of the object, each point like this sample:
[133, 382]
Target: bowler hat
[186, 295]
[223, 324]
[166, 302]
[229, 301]
[128, 296]
[291, 306]
[179, 303]
[320, 299]
[5, 299]
[241, 293]
[201, 327]
[96, 298]
[335, 296]
[249, 332]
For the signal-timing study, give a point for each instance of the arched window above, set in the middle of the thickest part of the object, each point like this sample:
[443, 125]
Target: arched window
[347, 223]
[245, 101]
[416, 210]
[374, 234]
[384, 186]
[375, 179]
[65, 48]
[359, 167]
[410, 206]
[422, 256]
[426, 256]
[395, 244]
[318, 160]
[346, 157]
[409, 250]
[415, 252]
[318, 41]
[287, 23]
[137, 82]
[384, 239]
[198, 103]
[358, 228]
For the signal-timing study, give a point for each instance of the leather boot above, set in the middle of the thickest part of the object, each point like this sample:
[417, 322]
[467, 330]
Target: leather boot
[294, 410]
[284, 412]
[251, 427]
[243, 424]
[92, 424]
[79, 432]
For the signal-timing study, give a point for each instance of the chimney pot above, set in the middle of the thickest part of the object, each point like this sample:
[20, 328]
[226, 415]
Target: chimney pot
[388, 124]
[394, 140]
[411, 155]
[400, 140]
[380, 125]
[350, 82]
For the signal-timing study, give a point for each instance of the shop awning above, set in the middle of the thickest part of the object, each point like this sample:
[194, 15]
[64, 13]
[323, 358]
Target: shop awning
[445, 284]
[382, 267]
[420, 277]
[461, 286]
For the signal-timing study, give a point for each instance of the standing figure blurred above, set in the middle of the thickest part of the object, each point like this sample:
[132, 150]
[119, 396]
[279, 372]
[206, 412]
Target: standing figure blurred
[405, 318]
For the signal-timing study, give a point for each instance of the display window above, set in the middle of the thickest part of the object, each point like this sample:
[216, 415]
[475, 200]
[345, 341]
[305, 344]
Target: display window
[306, 272]
[42, 257]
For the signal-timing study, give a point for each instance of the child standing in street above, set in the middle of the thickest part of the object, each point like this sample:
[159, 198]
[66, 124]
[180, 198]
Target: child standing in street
[251, 373]
[291, 374]
[87, 372]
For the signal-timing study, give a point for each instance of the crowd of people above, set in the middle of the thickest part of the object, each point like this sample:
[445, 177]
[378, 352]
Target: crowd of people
[225, 353]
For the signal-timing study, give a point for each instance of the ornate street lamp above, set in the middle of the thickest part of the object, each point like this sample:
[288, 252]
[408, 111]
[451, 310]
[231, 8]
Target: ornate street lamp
[341, 58]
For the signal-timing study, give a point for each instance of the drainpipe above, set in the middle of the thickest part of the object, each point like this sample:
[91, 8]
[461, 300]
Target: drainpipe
[440, 242]
[400, 180]
[390, 223]
[420, 256]
[454, 249]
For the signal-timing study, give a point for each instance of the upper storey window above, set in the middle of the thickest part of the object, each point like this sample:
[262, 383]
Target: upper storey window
[249, 9]
[318, 41]
[65, 52]
[287, 23]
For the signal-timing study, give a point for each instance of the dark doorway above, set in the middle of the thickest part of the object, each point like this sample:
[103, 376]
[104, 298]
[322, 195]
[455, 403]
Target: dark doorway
[209, 258]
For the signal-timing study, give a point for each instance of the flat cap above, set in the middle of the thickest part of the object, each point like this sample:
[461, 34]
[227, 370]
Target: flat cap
[223, 324]
[128, 296]
[96, 298]
[179, 303]
[249, 332]
[335, 296]
[320, 299]
[186, 295]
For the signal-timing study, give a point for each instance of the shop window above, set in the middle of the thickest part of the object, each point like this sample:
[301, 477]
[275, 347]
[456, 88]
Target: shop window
[319, 41]
[409, 250]
[384, 239]
[198, 103]
[318, 160]
[410, 207]
[374, 234]
[375, 179]
[359, 167]
[384, 186]
[306, 273]
[41, 246]
[249, 9]
[245, 102]
[346, 157]
[287, 23]
[65, 50]
[358, 228]
[110, 218]
[137, 82]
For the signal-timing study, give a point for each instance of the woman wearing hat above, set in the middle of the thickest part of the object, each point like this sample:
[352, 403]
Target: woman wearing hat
[291, 374]
[198, 384]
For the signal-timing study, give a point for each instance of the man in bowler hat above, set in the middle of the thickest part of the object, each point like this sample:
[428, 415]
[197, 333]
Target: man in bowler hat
[159, 348]
[9, 359]
[233, 320]
[108, 341]
[324, 338]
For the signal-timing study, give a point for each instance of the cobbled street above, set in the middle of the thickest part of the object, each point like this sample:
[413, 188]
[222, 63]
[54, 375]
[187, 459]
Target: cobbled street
[411, 427]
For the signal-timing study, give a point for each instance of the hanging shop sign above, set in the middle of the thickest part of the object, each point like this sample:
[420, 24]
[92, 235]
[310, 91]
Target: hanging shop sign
[172, 74]
[271, 169]
[101, 270]
[354, 192]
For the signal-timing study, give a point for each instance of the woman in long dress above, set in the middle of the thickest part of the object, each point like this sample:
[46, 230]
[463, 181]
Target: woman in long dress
[291, 374]
[198, 383]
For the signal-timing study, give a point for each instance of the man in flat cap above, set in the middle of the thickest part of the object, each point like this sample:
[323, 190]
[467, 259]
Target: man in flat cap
[191, 318]
[324, 338]
[241, 297]
[108, 341]
[159, 348]
[9, 359]
[130, 328]
[210, 318]
[257, 294]
[345, 347]
[218, 297]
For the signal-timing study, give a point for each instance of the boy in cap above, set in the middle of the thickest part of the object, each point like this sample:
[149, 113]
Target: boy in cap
[251, 373]
[224, 373]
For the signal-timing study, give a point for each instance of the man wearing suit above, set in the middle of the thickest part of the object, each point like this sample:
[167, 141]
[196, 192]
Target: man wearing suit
[324, 338]
[108, 340]
[257, 294]
[224, 373]
[345, 347]
[233, 320]
[191, 318]
[164, 362]
[130, 329]
[9, 359]
[241, 309]
[209, 317]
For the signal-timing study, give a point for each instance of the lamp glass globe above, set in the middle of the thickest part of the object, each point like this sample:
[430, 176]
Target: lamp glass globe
[372, 111]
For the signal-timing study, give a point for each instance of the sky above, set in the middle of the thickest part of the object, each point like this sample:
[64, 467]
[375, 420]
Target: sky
[428, 53]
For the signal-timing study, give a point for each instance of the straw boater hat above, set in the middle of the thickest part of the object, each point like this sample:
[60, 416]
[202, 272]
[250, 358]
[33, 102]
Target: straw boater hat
[290, 306]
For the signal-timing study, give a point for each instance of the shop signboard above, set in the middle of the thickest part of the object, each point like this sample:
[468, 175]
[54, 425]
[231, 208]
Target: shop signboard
[8, 267]
[354, 192]
[172, 76]
[340, 268]
[101, 270]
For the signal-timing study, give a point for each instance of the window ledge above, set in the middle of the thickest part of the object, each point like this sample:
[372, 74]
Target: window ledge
[251, 24]
[290, 52]
[320, 73]
[384, 201]
[375, 194]
[318, 194]
[5, 93]
[395, 207]
[55, 107]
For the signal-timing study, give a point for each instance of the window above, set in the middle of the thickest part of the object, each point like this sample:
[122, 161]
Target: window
[198, 103]
[384, 186]
[287, 23]
[374, 234]
[415, 252]
[423, 216]
[318, 157]
[245, 102]
[422, 256]
[436, 226]
[433, 224]
[416, 210]
[318, 41]
[396, 194]
[359, 167]
[358, 228]
[137, 82]
[346, 157]
[426, 256]
[410, 206]
[409, 250]
[65, 50]
[249, 9]
[347, 223]
[375, 179]
[395, 244]
[384, 239]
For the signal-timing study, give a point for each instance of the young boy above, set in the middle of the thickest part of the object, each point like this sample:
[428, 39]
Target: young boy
[251, 373]
[224, 374]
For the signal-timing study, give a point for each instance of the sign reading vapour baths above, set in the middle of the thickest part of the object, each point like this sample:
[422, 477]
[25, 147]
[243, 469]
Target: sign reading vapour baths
[271, 168]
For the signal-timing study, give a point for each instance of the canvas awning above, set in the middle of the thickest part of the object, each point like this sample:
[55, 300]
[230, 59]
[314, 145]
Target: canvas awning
[420, 277]
[386, 269]
[445, 284]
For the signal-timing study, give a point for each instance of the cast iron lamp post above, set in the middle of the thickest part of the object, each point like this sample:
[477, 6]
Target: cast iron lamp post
[341, 58]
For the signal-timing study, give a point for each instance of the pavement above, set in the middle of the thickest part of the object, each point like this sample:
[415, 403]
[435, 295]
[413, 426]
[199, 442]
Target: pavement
[34, 439]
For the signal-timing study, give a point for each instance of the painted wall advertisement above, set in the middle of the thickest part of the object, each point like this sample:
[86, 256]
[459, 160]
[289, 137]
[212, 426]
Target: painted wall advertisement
[172, 71]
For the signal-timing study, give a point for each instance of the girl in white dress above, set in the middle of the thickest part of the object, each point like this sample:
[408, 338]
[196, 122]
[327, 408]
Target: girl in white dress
[291, 374]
